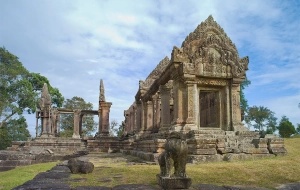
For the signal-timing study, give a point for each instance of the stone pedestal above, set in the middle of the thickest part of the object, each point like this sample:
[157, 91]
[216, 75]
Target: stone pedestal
[173, 182]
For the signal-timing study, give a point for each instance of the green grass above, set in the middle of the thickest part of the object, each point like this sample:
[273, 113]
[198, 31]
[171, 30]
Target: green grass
[18, 176]
[268, 172]
[111, 170]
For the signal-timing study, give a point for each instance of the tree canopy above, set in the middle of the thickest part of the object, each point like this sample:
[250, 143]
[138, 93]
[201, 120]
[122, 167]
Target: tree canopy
[67, 120]
[286, 128]
[260, 118]
[20, 89]
[13, 130]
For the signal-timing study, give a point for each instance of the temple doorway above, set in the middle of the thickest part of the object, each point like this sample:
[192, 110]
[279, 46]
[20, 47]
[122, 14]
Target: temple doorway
[209, 109]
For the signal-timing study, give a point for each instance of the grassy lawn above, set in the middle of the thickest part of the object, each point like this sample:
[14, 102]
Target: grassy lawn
[111, 170]
[18, 176]
[269, 172]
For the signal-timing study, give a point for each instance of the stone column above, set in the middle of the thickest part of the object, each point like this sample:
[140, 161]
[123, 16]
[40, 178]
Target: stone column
[165, 108]
[179, 103]
[105, 109]
[144, 116]
[132, 118]
[156, 112]
[77, 113]
[138, 116]
[37, 123]
[80, 124]
[192, 106]
[149, 116]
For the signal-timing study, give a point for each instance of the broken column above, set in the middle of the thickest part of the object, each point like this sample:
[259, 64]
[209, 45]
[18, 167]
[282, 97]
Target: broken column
[45, 106]
[103, 112]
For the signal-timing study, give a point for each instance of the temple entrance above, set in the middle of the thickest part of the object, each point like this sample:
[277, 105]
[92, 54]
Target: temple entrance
[209, 109]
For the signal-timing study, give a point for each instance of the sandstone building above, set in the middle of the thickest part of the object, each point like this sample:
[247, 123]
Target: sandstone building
[197, 92]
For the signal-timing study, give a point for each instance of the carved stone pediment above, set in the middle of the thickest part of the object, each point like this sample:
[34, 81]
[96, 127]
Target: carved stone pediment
[155, 74]
[212, 52]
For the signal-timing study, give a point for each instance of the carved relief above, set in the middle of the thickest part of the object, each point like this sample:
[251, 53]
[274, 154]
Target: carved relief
[215, 82]
[189, 68]
[209, 45]
[190, 102]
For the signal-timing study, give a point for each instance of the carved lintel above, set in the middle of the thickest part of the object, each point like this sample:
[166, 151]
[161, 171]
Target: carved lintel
[214, 82]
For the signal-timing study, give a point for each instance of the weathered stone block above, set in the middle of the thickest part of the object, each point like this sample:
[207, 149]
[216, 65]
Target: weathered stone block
[174, 182]
[248, 134]
[275, 146]
[275, 141]
[77, 166]
[256, 151]
[205, 146]
[205, 151]
[204, 158]
[278, 151]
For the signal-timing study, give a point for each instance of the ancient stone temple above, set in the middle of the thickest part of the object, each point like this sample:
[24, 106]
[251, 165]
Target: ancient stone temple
[197, 92]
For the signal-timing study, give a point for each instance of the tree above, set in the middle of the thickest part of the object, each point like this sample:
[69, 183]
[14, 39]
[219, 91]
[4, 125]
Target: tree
[298, 128]
[19, 88]
[120, 130]
[67, 120]
[243, 101]
[286, 128]
[260, 118]
[13, 130]
[112, 128]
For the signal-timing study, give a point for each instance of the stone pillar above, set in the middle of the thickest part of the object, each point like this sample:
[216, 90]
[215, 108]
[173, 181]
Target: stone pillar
[45, 106]
[104, 117]
[235, 104]
[237, 124]
[156, 112]
[132, 118]
[149, 116]
[80, 124]
[165, 108]
[179, 104]
[144, 116]
[37, 123]
[77, 114]
[191, 103]
[138, 116]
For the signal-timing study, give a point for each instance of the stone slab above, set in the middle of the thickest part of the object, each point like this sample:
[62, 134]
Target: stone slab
[204, 158]
[208, 187]
[91, 188]
[133, 187]
[173, 182]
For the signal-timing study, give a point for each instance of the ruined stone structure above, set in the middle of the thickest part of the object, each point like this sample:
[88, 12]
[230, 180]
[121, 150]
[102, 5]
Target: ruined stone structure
[196, 92]
[50, 116]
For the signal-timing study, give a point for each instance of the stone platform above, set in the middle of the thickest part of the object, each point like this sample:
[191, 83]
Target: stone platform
[173, 182]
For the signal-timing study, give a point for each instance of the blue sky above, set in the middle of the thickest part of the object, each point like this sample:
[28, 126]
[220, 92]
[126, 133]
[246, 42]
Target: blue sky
[76, 43]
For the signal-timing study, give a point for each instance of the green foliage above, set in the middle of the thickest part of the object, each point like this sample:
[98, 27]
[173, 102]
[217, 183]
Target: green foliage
[244, 102]
[16, 91]
[112, 128]
[67, 120]
[260, 118]
[20, 89]
[120, 130]
[37, 81]
[13, 130]
[298, 128]
[286, 128]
